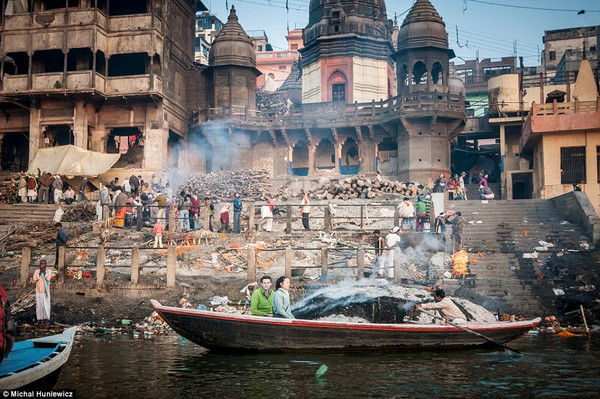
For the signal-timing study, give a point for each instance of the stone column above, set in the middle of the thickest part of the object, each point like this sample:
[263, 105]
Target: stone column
[60, 262]
[25, 261]
[135, 265]
[100, 262]
[361, 264]
[251, 265]
[324, 262]
[171, 265]
[288, 261]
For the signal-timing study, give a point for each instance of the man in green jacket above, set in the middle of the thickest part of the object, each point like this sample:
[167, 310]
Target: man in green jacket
[261, 303]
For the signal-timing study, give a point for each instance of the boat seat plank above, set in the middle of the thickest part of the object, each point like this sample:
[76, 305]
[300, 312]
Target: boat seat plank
[25, 354]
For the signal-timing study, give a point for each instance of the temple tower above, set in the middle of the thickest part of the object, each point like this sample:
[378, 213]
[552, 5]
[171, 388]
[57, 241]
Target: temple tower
[438, 115]
[347, 52]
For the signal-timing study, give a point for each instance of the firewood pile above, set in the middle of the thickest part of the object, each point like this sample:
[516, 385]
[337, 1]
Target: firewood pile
[9, 185]
[30, 235]
[271, 103]
[361, 187]
[222, 186]
[80, 212]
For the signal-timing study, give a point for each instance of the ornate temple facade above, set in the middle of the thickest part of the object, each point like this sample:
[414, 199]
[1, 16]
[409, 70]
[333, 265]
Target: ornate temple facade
[351, 119]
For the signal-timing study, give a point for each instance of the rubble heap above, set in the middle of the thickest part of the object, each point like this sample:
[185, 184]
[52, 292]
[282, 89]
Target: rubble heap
[361, 187]
[222, 186]
[9, 183]
[80, 212]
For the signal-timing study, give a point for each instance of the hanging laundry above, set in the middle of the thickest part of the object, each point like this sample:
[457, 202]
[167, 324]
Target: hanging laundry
[123, 144]
[131, 140]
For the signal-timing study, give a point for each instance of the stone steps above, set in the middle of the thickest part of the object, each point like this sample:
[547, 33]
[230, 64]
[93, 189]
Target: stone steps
[502, 274]
[19, 213]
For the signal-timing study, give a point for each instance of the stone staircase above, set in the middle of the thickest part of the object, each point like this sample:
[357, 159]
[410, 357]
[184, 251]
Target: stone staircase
[497, 236]
[21, 213]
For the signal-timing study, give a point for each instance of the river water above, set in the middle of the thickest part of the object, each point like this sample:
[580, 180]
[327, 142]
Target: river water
[172, 367]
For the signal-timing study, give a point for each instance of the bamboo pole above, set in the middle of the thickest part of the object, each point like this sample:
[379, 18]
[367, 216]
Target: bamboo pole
[587, 330]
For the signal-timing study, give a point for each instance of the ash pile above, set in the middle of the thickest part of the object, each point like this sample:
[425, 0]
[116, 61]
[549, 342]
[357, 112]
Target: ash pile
[222, 186]
[375, 302]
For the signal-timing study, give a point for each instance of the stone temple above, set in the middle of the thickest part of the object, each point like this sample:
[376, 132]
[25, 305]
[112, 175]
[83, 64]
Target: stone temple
[374, 96]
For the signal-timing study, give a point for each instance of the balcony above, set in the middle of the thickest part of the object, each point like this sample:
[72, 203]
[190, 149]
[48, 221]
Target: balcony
[131, 85]
[81, 80]
[56, 19]
[560, 117]
[134, 22]
[14, 83]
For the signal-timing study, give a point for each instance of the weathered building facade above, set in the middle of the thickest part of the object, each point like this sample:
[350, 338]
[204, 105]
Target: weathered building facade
[350, 120]
[103, 75]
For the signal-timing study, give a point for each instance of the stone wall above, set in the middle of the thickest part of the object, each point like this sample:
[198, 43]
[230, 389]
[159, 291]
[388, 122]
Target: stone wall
[577, 208]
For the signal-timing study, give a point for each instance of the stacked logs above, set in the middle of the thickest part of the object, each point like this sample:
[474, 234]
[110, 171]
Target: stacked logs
[361, 187]
[80, 212]
[9, 185]
[222, 186]
[31, 235]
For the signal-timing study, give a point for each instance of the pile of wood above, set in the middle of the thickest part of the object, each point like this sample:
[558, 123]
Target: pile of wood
[9, 185]
[271, 103]
[31, 235]
[361, 187]
[80, 212]
[222, 186]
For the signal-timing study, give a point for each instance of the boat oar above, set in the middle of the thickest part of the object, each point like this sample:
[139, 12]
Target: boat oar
[493, 341]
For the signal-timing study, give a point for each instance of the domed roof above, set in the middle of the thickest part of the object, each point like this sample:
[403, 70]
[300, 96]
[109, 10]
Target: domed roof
[232, 46]
[455, 83]
[367, 18]
[423, 27]
[365, 8]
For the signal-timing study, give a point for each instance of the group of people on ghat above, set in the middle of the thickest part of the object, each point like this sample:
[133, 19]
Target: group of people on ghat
[157, 201]
[48, 188]
[455, 185]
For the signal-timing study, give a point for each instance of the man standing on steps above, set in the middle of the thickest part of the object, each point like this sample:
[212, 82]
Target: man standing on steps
[458, 223]
[237, 212]
[62, 239]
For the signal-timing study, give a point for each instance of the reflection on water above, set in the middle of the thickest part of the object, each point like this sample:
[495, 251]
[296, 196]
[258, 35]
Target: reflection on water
[172, 367]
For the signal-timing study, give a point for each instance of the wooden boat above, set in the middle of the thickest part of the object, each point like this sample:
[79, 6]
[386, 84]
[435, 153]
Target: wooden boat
[36, 363]
[234, 332]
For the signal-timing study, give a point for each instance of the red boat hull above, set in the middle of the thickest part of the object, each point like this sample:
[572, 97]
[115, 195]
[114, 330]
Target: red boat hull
[233, 332]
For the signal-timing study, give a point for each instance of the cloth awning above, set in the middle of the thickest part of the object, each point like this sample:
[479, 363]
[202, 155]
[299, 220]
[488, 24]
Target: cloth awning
[68, 160]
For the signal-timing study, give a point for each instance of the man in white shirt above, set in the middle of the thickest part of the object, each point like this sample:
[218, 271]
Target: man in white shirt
[387, 260]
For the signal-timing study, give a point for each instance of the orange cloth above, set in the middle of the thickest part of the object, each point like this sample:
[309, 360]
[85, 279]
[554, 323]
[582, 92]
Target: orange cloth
[120, 218]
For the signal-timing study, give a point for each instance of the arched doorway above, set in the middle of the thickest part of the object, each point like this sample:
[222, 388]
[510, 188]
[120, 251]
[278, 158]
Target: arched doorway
[300, 159]
[325, 155]
[350, 162]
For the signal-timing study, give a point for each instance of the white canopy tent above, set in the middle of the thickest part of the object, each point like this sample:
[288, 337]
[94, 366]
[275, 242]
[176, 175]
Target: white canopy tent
[68, 160]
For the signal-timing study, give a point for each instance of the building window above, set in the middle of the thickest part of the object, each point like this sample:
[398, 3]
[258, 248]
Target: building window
[338, 92]
[572, 165]
[592, 49]
[552, 55]
[282, 67]
[260, 47]
[294, 47]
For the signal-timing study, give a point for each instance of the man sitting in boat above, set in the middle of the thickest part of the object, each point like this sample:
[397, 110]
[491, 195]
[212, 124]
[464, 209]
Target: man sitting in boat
[261, 302]
[445, 305]
[281, 298]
